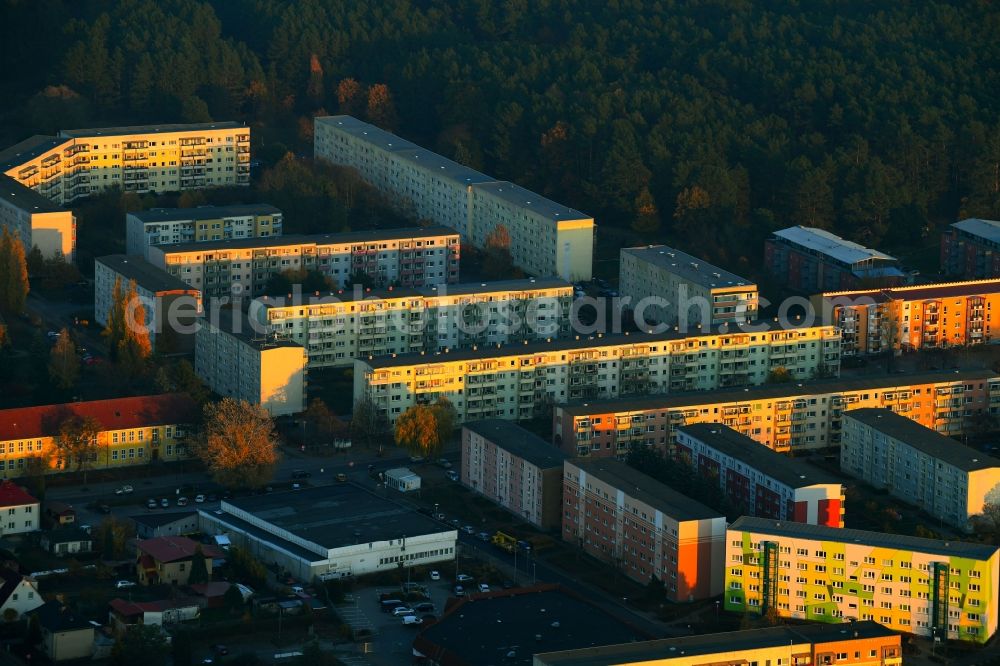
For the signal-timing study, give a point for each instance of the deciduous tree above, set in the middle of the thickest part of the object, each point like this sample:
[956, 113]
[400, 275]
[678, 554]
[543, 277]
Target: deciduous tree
[64, 362]
[144, 644]
[13, 273]
[238, 443]
[77, 442]
[381, 109]
[368, 423]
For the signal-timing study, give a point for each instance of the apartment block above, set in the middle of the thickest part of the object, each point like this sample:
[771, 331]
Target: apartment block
[825, 574]
[36, 221]
[813, 260]
[166, 226]
[687, 290]
[518, 381]
[171, 306]
[408, 257]
[515, 468]
[785, 417]
[643, 527]
[971, 249]
[237, 361]
[547, 239]
[342, 326]
[910, 318]
[861, 644]
[922, 467]
[762, 482]
[133, 431]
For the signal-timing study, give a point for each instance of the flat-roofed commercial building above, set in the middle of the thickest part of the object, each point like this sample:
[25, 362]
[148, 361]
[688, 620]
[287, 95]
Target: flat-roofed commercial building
[826, 574]
[785, 417]
[971, 249]
[813, 260]
[516, 382]
[910, 318]
[861, 644]
[171, 306]
[644, 528]
[545, 238]
[709, 295]
[166, 226]
[515, 468]
[940, 475]
[236, 361]
[133, 431]
[760, 481]
[332, 531]
[36, 221]
[345, 325]
[408, 257]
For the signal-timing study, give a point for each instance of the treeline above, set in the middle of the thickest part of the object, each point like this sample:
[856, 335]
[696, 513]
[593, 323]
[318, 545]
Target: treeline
[705, 123]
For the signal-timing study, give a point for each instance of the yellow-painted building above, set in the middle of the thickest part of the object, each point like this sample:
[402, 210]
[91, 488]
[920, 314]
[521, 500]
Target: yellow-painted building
[165, 226]
[518, 381]
[133, 431]
[826, 574]
[926, 316]
[342, 326]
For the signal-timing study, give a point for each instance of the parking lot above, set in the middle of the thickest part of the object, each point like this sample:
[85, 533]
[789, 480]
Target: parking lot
[393, 643]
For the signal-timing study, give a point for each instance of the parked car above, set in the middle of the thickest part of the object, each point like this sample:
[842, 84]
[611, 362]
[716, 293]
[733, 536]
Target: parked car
[301, 474]
[182, 501]
[124, 583]
[455, 522]
[463, 578]
[341, 478]
[459, 591]
[468, 529]
[411, 620]
[435, 575]
[152, 504]
[452, 475]
[416, 459]
[483, 536]
[199, 499]
[124, 490]
[399, 611]
[443, 462]
[424, 607]
[389, 605]
[164, 502]
[483, 587]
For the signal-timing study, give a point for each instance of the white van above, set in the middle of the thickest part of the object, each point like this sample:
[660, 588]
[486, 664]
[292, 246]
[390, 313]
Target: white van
[411, 620]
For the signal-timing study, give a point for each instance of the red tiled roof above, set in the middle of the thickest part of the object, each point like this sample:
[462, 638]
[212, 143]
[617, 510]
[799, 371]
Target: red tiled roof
[14, 495]
[114, 414]
[132, 608]
[213, 589]
[173, 548]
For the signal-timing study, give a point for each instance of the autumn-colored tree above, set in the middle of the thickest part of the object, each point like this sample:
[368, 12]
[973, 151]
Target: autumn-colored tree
[381, 110]
[64, 362]
[13, 273]
[126, 331]
[113, 534]
[647, 217]
[323, 422]
[238, 444]
[424, 429]
[314, 89]
[348, 96]
[114, 329]
[77, 442]
[780, 375]
[497, 261]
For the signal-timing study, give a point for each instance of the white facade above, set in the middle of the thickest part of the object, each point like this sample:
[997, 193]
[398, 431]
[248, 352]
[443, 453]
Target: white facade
[248, 366]
[546, 238]
[166, 226]
[19, 519]
[338, 328]
[402, 479]
[689, 291]
[24, 598]
[946, 479]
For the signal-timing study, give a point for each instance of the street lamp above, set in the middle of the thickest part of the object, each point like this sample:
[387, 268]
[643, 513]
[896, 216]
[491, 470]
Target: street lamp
[532, 573]
[933, 639]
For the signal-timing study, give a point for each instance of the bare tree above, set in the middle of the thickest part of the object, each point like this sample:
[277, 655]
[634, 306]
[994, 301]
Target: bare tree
[368, 424]
[64, 362]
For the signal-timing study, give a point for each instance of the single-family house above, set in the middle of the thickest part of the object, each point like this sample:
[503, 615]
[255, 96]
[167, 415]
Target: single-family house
[65, 635]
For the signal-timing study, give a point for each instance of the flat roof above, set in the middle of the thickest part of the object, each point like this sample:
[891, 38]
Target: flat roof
[832, 245]
[149, 129]
[923, 291]
[520, 442]
[645, 489]
[687, 266]
[28, 149]
[560, 344]
[986, 229]
[368, 132]
[161, 519]
[536, 203]
[508, 627]
[774, 391]
[707, 644]
[240, 327]
[924, 439]
[370, 236]
[786, 528]
[144, 273]
[525, 284]
[204, 212]
[793, 472]
[25, 198]
[338, 515]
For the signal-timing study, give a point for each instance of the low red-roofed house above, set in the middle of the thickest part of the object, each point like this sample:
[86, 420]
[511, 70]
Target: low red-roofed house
[19, 511]
[211, 595]
[168, 559]
[126, 614]
[133, 431]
